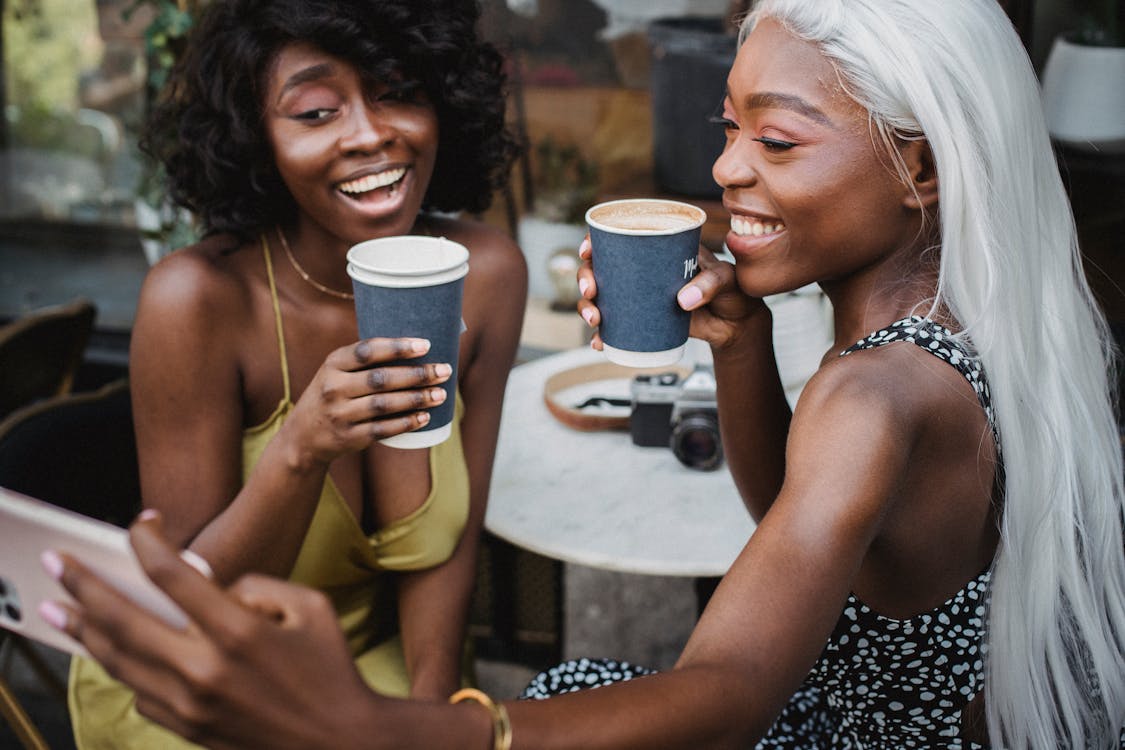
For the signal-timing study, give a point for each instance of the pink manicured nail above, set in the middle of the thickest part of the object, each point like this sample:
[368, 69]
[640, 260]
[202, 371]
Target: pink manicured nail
[148, 514]
[52, 563]
[53, 614]
[588, 316]
[689, 297]
[585, 248]
[583, 285]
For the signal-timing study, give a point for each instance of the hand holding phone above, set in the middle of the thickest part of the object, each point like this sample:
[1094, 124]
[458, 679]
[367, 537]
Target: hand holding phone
[30, 527]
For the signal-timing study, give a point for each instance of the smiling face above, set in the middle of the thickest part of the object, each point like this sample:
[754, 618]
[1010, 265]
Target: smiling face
[356, 156]
[811, 198]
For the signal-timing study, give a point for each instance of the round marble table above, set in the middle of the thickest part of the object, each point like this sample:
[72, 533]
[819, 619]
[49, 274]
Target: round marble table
[595, 499]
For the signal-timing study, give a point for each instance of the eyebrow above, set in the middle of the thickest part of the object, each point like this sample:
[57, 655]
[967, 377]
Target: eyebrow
[311, 73]
[773, 100]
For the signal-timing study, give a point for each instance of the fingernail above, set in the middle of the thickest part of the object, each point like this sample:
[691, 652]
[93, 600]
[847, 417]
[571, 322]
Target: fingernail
[437, 394]
[423, 417]
[52, 563]
[148, 514]
[689, 297]
[588, 316]
[443, 370]
[585, 248]
[197, 562]
[583, 285]
[53, 614]
[420, 345]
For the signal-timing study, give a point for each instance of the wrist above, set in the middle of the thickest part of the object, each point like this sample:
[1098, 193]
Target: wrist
[382, 723]
[369, 722]
[748, 338]
[500, 727]
[297, 458]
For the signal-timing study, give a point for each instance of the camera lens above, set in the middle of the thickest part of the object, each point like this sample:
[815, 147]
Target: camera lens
[696, 443]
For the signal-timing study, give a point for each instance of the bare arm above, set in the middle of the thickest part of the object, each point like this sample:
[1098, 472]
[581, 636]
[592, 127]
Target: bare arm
[192, 348]
[755, 413]
[434, 604]
[762, 631]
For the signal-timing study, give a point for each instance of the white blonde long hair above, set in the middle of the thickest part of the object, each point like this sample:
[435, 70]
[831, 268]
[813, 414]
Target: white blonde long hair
[955, 72]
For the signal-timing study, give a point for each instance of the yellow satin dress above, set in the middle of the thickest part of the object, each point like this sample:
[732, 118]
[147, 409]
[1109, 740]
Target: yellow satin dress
[354, 569]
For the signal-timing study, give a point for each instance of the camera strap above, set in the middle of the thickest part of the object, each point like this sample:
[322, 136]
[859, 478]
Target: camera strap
[582, 416]
[579, 416]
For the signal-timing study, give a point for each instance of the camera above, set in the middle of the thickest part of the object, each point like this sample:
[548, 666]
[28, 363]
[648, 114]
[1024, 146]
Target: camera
[678, 413]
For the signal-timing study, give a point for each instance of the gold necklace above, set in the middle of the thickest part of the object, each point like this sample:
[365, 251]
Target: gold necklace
[304, 274]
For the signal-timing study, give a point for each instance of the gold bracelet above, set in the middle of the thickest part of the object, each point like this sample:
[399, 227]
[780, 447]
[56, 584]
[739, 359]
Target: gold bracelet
[501, 725]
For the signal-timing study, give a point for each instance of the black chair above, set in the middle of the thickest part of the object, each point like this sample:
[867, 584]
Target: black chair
[41, 352]
[76, 451]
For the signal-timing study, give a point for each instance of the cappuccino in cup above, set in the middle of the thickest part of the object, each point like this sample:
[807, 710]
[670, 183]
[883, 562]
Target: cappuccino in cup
[644, 251]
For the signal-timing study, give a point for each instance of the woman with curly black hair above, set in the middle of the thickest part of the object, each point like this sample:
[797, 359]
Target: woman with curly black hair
[294, 129]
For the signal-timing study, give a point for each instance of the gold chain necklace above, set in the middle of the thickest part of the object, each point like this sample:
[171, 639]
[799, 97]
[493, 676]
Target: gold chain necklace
[304, 274]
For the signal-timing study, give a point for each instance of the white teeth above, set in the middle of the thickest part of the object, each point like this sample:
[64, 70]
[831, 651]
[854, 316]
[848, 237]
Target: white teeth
[747, 227]
[373, 181]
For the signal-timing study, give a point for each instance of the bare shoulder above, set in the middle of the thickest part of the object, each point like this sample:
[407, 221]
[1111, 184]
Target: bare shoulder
[207, 280]
[900, 384]
[879, 410]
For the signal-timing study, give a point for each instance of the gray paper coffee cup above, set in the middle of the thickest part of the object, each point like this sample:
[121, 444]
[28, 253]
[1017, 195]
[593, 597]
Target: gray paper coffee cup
[644, 251]
[411, 287]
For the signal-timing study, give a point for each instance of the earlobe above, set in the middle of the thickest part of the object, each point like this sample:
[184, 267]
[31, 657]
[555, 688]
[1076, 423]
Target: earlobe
[922, 192]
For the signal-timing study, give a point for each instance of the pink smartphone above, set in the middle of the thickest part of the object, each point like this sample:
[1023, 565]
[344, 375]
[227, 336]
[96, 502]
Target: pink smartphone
[27, 528]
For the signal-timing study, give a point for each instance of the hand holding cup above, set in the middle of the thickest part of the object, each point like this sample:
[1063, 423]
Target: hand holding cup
[644, 250]
[411, 287]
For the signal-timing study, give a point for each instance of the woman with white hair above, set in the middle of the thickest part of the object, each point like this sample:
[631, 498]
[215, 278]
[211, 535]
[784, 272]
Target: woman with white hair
[940, 555]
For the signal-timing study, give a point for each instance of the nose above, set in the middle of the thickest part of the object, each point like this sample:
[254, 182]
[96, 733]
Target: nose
[733, 168]
[367, 130]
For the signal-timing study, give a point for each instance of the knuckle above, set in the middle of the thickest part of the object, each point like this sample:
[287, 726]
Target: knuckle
[379, 404]
[237, 635]
[203, 675]
[163, 570]
[328, 391]
[192, 716]
[387, 427]
[316, 603]
[377, 378]
[362, 351]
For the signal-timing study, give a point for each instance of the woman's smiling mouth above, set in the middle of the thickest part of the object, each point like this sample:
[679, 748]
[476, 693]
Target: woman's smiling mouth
[747, 227]
[361, 186]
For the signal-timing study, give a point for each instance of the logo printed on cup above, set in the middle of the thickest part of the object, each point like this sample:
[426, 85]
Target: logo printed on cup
[644, 249]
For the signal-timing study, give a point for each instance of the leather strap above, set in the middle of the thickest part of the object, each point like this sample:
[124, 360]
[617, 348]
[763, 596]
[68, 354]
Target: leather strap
[579, 419]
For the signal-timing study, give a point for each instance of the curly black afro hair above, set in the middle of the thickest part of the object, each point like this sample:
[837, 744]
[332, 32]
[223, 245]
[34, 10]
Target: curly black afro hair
[207, 128]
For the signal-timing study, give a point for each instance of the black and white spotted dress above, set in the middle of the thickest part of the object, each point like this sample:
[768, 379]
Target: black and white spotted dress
[880, 683]
[888, 684]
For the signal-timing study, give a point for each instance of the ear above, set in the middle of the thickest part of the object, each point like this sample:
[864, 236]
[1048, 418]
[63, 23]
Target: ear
[923, 187]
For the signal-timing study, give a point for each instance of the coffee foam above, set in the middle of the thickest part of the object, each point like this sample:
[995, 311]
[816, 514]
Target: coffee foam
[647, 216]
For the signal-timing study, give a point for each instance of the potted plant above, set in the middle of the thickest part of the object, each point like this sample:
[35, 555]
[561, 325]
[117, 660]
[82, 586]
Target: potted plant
[1084, 80]
[163, 226]
[566, 183]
